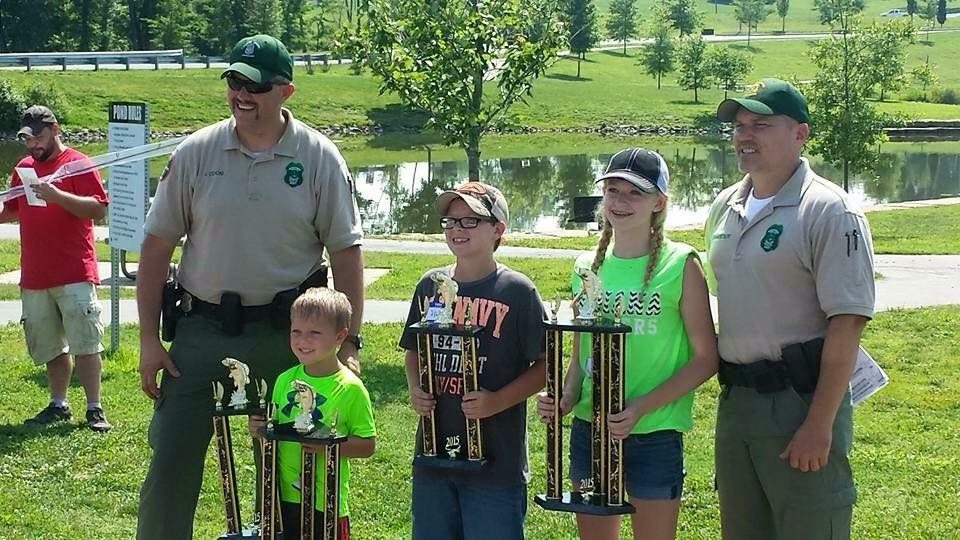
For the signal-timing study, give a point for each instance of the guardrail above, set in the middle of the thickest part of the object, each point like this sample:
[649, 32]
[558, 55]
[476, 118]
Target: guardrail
[128, 58]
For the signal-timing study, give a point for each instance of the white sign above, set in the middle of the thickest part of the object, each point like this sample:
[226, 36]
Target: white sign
[127, 183]
[868, 377]
[29, 178]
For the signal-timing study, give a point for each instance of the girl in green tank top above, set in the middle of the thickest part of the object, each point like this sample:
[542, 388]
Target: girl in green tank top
[672, 348]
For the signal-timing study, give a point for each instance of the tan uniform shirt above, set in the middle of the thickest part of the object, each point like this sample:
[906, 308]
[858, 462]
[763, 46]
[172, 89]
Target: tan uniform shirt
[255, 223]
[805, 257]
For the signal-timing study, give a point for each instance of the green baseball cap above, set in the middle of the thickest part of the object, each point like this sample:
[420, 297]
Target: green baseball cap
[260, 58]
[770, 97]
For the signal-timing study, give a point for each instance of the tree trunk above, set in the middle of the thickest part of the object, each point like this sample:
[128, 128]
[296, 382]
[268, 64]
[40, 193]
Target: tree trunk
[749, 30]
[624, 47]
[658, 79]
[696, 98]
[783, 25]
[846, 175]
[578, 66]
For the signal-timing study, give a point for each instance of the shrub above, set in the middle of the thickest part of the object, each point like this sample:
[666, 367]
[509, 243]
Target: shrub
[948, 96]
[12, 105]
[43, 93]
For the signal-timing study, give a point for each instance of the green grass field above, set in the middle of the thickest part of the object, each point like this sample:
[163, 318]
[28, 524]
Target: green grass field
[613, 90]
[68, 483]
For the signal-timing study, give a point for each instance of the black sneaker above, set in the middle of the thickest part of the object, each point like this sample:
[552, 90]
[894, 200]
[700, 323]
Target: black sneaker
[50, 414]
[97, 421]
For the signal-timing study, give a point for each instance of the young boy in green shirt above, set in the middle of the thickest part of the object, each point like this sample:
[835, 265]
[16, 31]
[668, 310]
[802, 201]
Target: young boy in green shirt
[319, 321]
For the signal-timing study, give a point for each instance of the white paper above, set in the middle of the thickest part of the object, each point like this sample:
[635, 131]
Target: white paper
[29, 178]
[868, 377]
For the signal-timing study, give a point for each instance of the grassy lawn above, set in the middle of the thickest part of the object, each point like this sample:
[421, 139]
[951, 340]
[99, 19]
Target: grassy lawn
[908, 473]
[613, 91]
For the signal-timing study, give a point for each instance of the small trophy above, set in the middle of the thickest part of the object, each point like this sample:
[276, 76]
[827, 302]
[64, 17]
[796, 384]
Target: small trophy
[588, 297]
[555, 308]
[438, 323]
[603, 492]
[306, 428]
[238, 405]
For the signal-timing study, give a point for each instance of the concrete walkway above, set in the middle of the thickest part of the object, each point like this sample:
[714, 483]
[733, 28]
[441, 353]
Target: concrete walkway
[906, 281]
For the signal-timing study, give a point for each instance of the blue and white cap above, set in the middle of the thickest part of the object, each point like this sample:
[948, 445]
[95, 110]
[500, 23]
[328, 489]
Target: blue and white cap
[643, 168]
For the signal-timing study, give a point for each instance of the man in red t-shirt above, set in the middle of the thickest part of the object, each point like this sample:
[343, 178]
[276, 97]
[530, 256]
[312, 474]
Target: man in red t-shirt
[58, 268]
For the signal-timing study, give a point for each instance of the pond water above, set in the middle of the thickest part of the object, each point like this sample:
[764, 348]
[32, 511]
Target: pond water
[399, 197]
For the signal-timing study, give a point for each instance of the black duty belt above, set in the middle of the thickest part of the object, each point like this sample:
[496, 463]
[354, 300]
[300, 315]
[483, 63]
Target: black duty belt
[213, 311]
[765, 376]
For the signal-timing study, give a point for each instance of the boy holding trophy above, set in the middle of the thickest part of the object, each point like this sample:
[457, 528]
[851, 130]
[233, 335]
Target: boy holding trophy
[456, 494]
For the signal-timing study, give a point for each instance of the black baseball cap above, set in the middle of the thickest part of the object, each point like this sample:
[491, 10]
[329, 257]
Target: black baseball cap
[643, 168]
[34, 120]
[770, 97]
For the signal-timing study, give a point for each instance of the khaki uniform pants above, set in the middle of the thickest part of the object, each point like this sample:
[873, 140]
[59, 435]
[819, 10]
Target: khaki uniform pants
[761, 496]
[181, 428]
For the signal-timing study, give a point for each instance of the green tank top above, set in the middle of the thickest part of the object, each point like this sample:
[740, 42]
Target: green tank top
[658, 346]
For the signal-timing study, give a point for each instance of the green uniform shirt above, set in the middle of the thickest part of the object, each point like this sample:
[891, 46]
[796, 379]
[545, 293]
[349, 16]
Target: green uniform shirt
[341, 396]
[658, 345]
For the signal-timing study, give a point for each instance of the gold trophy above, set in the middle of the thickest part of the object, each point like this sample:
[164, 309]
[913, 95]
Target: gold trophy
[238, 405]
[302, 430]
[437, 322]
[603, 493]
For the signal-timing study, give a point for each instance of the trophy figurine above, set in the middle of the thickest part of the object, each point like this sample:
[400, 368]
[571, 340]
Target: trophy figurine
[306, 399]
[238, 405]
[589, 296]
[447, 291]
[603, 492]
[555, 308]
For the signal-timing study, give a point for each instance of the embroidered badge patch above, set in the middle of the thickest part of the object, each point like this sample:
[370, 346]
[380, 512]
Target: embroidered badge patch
[771, 239]
[294, 176]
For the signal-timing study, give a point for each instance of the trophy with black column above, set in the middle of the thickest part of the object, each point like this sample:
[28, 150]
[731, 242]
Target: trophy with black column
[237, 405]
[440, 322]
[603, 493]
[317, 442]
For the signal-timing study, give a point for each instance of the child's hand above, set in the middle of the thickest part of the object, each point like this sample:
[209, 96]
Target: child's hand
[480, 404]
[545, 405]
[422, 402]
[622, 422]
[254, 423]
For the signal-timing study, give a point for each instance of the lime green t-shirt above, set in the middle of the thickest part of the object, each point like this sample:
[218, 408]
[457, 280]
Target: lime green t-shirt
[658, 346]
[339, 395]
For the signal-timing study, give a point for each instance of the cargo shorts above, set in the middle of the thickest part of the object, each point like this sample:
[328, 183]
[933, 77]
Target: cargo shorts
[64, 319]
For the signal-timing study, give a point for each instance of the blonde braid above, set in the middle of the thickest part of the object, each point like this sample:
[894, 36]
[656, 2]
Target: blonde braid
[656, 242]
[606, 234]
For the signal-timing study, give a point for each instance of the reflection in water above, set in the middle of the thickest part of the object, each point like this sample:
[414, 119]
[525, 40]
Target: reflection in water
[541, 189]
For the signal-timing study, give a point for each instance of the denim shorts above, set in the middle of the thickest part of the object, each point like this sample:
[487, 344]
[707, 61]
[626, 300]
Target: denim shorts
[652, 462]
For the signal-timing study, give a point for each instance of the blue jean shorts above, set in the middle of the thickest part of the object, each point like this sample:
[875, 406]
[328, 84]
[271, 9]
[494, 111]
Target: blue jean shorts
[652, 462]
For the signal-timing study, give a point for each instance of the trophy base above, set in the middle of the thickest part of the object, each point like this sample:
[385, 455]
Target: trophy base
[246, 410]
[285, 432]
[438, 462]
[576, 502]
[246, 534]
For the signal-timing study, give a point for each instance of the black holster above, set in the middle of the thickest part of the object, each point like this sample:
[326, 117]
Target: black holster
[802, 362]
[170, 306]
[799, 368]
[231, 314]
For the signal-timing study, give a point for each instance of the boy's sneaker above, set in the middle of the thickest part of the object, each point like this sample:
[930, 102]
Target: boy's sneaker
[97, 421]
[48, 415]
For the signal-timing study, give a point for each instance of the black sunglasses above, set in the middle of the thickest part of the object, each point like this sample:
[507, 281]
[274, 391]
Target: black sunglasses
[236, 84]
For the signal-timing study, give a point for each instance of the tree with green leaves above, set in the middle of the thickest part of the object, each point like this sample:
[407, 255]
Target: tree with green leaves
[848, 129]
[885, 51]
[831, 11]
[783, 6]
[941, 12]
[694, 65]
[435, 57]
[926, 75]
[750, 13]
[293, 30]
[681, 15]
[622, 22]
[657, 56]
[729, 67]
[581, 20]
[171, 27]
[928, 13]
[911, 8]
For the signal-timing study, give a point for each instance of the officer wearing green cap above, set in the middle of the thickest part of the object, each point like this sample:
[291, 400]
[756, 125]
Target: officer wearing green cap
[258, 198]
[793, 265]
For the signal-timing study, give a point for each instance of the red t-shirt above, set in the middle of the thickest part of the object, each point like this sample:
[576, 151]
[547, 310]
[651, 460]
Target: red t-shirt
[56, 247]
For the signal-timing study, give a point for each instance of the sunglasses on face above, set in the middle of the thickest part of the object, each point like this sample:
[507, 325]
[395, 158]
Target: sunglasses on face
[236, 84]
[468, 222]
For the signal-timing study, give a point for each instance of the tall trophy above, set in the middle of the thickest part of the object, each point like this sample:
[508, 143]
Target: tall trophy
[238, 404]
[438, 320]
[304, 429]
[603, 493]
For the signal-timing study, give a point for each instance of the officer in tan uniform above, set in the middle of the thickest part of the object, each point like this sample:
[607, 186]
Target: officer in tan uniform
[258, 196]
[793, 263]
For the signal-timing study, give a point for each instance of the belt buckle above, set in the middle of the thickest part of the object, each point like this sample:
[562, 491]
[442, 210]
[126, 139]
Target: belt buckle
[186, 303]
